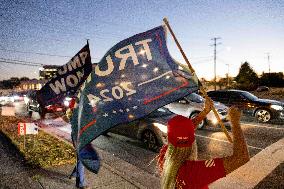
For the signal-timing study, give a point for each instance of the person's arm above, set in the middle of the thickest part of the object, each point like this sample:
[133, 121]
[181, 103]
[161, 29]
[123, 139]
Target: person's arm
[67, 115]
[201, 116]
[240, 152]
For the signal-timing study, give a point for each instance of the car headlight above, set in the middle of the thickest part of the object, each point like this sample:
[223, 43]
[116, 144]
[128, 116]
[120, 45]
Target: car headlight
[276, 107]
[66, 103]
[68, 98]
[26, 100]
[214, 121]
[162, 127]
[16, 97]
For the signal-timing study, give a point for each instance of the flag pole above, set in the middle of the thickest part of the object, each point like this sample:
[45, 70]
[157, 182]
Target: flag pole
[201, 87]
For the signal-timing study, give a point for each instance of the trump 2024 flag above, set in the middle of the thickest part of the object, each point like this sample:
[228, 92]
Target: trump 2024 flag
[68, 78]
[135, 77]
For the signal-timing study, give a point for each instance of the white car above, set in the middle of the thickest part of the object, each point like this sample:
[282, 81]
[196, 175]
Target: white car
[6, 99]
[192, 104]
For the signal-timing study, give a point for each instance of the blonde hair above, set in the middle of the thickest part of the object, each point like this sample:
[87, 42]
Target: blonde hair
[174, 158]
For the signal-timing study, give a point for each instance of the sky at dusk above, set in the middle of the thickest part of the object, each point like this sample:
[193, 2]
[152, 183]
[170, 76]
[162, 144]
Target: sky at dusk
[51, 32]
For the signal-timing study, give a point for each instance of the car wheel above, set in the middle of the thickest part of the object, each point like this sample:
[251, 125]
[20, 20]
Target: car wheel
[41, 113]
[30, 113]
[201, 124]
[263, 115]
[150, 140]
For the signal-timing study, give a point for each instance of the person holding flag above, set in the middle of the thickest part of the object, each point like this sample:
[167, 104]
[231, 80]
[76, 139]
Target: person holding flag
[178, 162]
[78, 171]
[67, 80]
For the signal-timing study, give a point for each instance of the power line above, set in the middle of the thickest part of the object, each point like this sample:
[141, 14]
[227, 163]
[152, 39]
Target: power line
[20, 61]
[42, 54]
[201, 61]
[30, 52]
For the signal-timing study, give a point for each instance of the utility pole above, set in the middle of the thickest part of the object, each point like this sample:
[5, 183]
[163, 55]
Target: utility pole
[215, 52]
[268, 61]
[228, 82]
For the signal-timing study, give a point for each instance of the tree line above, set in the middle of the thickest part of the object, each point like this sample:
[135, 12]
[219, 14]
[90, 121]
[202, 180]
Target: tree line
[247, 79]
[12, 82]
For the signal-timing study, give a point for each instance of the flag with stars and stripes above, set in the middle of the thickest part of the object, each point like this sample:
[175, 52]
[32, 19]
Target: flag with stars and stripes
[67, 79]
[135, 77]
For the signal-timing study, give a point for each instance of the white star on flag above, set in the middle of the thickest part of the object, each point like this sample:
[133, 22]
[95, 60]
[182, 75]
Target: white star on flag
[134, 107]
[121, 110]
[127, 110]
[105, 115]
[114, 111]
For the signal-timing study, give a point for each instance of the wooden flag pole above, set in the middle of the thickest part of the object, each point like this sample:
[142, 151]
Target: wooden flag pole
[201, 87]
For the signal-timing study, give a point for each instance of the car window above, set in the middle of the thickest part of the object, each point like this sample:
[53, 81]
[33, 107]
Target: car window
[249, 96]
[193, 97]
[160, 113]
[219, 96]
[236, 97]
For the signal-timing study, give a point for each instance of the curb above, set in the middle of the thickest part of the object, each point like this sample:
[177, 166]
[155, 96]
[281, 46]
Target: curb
[254, 171]
[125, 170]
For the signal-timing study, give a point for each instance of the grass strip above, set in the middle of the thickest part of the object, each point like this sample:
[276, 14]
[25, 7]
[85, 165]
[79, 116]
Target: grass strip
[42, 150]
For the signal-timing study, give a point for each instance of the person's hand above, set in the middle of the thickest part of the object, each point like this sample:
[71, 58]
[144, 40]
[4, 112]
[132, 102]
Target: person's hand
[234, 114]
[65, 118]
[68, 115]
[208, 104]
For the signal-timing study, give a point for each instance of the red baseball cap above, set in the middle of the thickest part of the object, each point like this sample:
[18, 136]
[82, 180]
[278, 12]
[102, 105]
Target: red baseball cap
[180, 131]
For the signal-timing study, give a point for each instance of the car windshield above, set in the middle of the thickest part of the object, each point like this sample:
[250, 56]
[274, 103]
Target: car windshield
[160, 113]
[193, 97]
[249, 96]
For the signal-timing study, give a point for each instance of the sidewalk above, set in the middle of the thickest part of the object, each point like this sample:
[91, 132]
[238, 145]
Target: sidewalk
[114, 172]
[16, 174]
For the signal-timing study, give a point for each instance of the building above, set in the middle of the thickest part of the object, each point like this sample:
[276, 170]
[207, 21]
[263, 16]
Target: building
[47, 71]
[32, 84]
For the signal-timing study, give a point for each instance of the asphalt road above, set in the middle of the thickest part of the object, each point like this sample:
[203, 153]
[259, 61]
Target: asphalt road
[211, 142]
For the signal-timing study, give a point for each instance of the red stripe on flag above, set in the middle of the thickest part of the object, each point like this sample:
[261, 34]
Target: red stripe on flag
[87, 126]
[147, 101]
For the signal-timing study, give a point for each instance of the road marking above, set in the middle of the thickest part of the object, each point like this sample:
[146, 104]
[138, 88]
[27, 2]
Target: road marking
[252, 125]
[226, 141]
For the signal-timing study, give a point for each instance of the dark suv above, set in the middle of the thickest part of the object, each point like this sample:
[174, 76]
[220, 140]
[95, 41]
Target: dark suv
[262, 109]
[33, 105]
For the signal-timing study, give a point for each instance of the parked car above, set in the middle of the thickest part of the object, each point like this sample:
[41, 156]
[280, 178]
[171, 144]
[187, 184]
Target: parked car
[263, 110]
[262, 88]
[7, 99]
[18, 96]
[151, 130]
[33, 105]
[191, 105]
